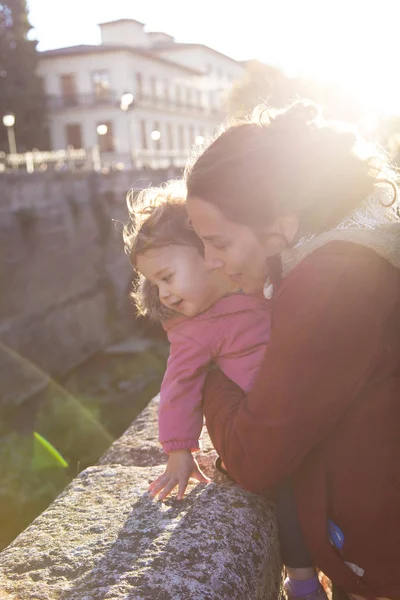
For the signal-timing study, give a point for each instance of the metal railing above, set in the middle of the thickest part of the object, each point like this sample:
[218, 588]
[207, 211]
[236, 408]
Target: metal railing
[67, 159]
[111, 98]
[71, 159]
[81, 100]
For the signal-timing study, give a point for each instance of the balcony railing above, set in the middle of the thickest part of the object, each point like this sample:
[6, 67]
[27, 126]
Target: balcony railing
[111, 98]
[81, 100]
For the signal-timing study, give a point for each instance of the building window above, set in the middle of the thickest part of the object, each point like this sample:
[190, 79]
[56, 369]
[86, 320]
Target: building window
[170, 137]
[182, 137]
[178, 95]
[166, 89]
[105, 141]
[211, 96]
[68, 89]
[143, 134]
[139, 84]
[46, 144]
[101, 85]
[153, 86]
[73, 135]
[199, 98]
[191, 135]
[189, 96]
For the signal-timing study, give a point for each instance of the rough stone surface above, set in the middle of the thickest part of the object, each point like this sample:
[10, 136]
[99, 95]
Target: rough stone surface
[64, 277]
[105, 538]
[130, 346]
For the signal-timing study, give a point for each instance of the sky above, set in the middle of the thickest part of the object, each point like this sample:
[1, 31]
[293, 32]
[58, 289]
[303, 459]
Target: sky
[352, 43]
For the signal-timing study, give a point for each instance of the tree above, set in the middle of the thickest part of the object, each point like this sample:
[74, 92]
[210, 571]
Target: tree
[263, 84]
[21, 90]
[260, 84]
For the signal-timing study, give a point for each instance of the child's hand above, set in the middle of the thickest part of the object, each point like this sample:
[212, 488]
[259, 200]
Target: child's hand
[180, 467]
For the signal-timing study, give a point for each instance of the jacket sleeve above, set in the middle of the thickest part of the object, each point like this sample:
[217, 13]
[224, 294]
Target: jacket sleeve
[180, 418]
[325, 341]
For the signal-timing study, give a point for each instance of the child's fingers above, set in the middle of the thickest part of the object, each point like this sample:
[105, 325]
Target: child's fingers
[154, 483]
[159, 484]
[172, 483]
[183, 483]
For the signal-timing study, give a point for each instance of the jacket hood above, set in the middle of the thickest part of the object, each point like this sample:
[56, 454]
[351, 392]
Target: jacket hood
[384, 239]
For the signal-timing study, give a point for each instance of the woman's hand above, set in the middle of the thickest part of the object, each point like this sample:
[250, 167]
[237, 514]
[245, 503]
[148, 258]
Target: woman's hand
[180, 467]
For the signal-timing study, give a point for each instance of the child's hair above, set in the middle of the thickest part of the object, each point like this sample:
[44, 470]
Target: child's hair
[268, 166]
[157, 218]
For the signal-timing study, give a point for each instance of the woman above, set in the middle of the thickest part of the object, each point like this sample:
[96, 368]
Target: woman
[292, 207]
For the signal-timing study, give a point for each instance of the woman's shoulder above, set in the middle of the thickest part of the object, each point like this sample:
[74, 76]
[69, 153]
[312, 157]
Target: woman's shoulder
[340, 256]
[340, 272]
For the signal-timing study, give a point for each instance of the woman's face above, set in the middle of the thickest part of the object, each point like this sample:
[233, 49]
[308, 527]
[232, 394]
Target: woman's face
[237, 249]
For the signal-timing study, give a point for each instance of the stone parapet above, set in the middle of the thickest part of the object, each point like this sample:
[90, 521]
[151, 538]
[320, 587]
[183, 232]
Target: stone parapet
[104, 537]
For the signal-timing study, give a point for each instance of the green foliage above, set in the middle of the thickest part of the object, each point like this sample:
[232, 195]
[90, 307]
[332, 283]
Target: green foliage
[76, 426]
[260, 84]
[33, 472]
[21, 89]
[71, 431]
[24, 490]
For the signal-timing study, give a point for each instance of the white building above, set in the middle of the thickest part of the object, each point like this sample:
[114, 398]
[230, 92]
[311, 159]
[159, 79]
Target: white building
[177, 94]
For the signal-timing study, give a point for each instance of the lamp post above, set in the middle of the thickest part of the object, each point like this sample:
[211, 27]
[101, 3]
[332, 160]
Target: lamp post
[126, 104]
[9, 122]
[101, 130]
[156, 137]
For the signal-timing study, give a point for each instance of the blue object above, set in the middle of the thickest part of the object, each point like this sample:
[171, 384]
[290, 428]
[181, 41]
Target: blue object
[336, 535]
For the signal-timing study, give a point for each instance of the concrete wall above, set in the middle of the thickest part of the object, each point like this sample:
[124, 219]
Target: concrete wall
[64, 277]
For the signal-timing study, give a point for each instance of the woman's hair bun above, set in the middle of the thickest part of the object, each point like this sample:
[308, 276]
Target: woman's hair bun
[300, 113]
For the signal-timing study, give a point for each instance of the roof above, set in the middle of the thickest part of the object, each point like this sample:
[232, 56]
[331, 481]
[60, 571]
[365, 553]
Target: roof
[121, 21]
[100, 48]
[182, 46]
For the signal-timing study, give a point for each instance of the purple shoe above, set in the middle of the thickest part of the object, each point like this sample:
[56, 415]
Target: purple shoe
[318, 594]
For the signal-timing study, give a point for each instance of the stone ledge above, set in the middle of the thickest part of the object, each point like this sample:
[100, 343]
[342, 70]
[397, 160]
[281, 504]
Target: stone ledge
[105, 538]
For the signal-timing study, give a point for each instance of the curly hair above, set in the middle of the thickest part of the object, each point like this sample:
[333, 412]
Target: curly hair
[273, 164]
[157, 218]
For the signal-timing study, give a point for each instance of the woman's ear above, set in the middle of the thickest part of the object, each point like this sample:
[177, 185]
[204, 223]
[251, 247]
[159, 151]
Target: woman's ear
[281, 234]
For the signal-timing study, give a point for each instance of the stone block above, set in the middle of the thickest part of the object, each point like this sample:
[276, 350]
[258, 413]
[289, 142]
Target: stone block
[106, 538]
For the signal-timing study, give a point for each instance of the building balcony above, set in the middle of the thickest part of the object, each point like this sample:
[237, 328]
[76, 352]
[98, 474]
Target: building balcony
[111, 98]
[81, 100]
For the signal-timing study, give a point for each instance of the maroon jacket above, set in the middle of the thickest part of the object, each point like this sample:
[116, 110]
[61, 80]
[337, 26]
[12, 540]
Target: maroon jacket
[326, 409]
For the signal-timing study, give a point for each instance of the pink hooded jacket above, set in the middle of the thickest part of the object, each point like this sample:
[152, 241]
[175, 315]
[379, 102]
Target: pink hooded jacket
[233, 334]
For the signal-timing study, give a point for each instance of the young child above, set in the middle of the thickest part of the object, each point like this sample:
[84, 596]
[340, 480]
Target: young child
[208, 321]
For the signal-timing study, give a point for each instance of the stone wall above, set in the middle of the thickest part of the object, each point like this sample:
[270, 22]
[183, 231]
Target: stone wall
[64, 278]
[104, 538]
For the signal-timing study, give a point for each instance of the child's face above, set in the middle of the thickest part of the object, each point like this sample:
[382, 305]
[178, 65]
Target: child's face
[185, 283]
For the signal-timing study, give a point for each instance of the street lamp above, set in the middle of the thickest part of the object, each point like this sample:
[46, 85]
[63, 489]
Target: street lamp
[101, 129]
[9, 122]
[126, 103]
